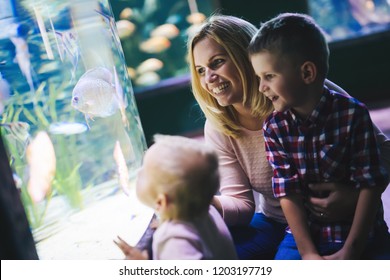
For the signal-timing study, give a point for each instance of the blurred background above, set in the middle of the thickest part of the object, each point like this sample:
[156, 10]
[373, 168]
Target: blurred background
[154, 32]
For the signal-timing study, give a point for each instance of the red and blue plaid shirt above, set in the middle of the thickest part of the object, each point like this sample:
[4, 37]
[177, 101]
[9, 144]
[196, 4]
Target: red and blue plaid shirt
[336, 143]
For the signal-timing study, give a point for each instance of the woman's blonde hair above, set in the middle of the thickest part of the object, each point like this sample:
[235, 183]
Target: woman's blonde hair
[234, 35]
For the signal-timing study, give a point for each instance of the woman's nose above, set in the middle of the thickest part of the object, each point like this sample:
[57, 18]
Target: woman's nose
[211, 76]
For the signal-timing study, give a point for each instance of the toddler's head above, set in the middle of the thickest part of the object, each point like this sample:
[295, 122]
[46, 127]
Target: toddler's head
[179, 177]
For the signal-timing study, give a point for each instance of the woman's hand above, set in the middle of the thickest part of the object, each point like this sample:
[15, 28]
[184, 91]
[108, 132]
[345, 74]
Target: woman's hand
[338, 205]
[131, 253]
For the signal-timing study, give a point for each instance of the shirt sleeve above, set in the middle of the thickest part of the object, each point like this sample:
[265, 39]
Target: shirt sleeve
[285, 180]
[236, 196]
[384, 147]
[367, 170]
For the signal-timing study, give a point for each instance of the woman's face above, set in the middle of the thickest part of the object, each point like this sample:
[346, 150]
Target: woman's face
[217, 73]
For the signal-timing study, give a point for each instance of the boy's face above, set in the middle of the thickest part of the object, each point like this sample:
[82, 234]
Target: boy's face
[279, 80]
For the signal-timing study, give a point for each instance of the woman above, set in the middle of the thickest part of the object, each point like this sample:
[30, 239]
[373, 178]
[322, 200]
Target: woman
[226, 88]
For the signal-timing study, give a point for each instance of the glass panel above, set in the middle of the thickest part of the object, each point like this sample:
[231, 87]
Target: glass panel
[343, 19]
[71, 125]
[154, 33]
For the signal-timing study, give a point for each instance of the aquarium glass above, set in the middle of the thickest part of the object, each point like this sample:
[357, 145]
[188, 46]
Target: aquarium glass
[154, 33]
[70, 124]
[345, 19]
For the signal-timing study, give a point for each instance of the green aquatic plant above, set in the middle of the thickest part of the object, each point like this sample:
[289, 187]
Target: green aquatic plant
[39, 111]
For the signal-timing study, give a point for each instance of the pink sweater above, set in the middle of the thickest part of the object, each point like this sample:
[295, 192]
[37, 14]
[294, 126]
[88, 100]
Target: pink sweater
[244, 168]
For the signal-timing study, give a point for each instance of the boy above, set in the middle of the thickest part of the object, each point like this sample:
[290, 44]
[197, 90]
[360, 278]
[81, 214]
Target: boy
[179, 178]
[315, 135]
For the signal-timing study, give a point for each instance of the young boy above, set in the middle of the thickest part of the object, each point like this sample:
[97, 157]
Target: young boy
[179, 178]
[315, 135]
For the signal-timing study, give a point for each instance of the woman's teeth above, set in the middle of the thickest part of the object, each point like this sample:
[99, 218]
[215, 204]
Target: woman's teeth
[219, 89]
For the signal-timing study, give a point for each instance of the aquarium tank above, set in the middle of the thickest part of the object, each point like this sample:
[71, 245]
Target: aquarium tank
[348, 19]
[154, 34]
[71, 126]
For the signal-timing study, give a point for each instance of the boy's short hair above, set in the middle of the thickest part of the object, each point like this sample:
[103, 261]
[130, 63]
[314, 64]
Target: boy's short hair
[188, 173]
[293, 36]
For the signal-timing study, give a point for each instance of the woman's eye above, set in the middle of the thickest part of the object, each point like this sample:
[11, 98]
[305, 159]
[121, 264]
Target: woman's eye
[269, 76]
[217, 62]
[200, 71]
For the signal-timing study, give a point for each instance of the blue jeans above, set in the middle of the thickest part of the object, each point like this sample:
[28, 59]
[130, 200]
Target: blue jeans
[378, 247]
[259, 240]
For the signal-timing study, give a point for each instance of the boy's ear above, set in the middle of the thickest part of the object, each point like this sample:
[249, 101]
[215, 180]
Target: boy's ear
[308, 72]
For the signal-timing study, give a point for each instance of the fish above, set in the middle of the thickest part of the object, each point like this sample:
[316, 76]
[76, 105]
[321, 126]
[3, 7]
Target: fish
[126, 13]
[41, 160]
[167, 30]
[123, 171]
[96, 94]
[156, 44]
[125, 28]
[68, 48]
[67, 128]
[5, 92]
[151, 64]
[147, 79]
[22, 57]
[196, 18]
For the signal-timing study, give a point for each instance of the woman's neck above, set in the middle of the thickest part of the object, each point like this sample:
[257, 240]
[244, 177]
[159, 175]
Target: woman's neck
[246, 118]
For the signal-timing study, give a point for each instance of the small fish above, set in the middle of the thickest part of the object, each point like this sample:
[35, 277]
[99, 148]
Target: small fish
[147, 79]
[41, 160]
[196, 18]
[123, 172]
[167, 30]
[22, 57]
[155, 45]
[68, 48]
[125, 28]
[151, 64]
[67, 128]
[5, 91]
[126, 13]
[97, 95]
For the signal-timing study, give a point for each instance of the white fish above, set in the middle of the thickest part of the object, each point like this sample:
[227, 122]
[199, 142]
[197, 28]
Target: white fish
[151, 64]
[5, 91]
[167, 30]
[41, 160]
[68, 48]
[123, 172]
[22, 57]
[67, 128]
[125, 28]
[95, 95]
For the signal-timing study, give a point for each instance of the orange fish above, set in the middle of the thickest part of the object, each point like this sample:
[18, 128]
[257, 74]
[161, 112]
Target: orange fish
[41, 160]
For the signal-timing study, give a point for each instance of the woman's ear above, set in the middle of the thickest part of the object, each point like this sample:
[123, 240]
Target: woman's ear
[308, 72]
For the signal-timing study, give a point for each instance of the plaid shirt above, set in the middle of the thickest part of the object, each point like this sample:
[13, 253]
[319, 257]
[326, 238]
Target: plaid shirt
[335, 144]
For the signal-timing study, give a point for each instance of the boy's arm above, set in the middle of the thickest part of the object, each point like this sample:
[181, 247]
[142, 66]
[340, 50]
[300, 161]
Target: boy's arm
[366, 209]
[295, 214]
[370, 178]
